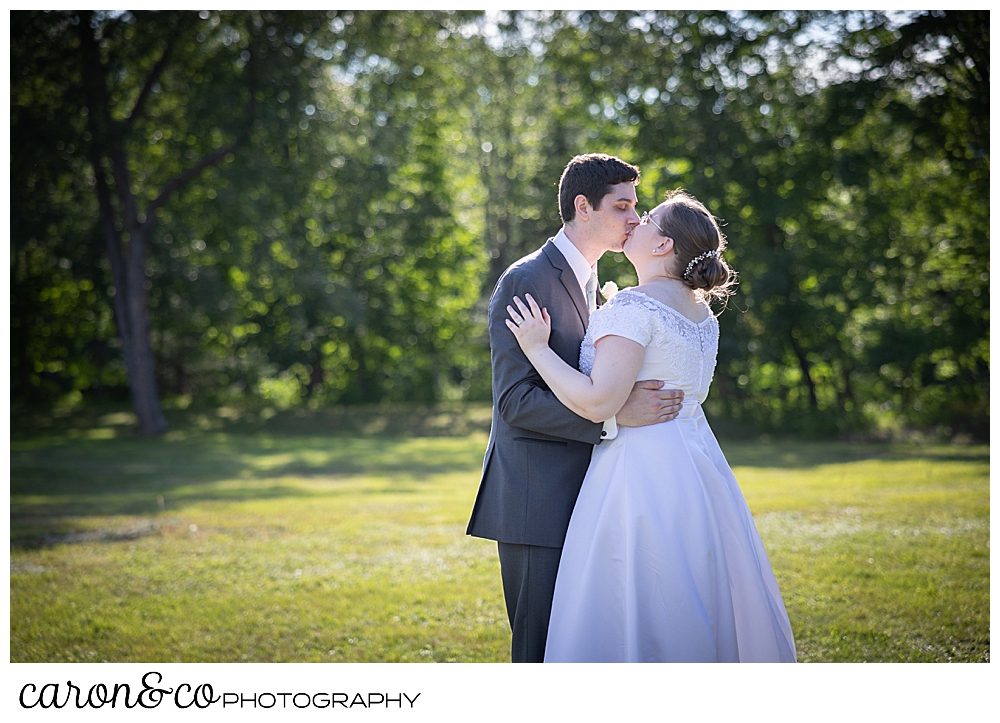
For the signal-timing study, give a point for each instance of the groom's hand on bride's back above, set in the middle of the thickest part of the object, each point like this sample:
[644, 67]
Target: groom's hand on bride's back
[650, 403]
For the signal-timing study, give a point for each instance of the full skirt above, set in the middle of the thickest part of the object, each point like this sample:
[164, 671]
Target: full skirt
[662, 560]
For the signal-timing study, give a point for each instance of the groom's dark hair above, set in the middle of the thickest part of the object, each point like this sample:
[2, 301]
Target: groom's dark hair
[593, 175]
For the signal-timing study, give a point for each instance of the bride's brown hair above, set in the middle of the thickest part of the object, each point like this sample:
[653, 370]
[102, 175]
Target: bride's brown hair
[698, 246]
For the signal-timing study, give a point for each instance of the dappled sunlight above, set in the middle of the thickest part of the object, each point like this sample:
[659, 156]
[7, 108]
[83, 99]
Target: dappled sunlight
[806, 455]
[243, 544]
[57, 476]
[275, 547]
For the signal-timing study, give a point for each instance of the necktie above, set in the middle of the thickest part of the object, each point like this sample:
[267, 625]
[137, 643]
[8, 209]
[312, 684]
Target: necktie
[592, 292]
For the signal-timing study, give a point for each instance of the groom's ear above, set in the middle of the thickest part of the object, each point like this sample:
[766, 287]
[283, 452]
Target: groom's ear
[582, 206]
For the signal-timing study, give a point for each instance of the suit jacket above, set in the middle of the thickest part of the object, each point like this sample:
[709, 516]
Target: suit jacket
[539, 450]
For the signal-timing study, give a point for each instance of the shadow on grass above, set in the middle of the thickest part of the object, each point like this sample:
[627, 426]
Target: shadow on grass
[94, 464]
[382, 421]
[806, 455]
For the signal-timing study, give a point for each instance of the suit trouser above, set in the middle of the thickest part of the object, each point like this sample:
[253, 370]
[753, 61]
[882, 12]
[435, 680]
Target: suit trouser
[529, 579]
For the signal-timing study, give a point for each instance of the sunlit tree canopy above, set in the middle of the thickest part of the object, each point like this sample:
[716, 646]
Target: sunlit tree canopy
[311, 208]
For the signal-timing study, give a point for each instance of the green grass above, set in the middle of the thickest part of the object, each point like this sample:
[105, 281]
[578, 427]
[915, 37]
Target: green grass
[339, 536]
[882, 552]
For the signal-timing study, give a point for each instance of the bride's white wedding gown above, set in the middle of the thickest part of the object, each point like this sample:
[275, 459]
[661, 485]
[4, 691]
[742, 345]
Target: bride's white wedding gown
[662, 561]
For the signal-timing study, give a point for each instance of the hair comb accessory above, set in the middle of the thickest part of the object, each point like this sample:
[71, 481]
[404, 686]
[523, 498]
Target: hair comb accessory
[707, 255]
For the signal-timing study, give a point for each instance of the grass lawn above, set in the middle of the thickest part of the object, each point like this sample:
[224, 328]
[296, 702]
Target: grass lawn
[339, 536]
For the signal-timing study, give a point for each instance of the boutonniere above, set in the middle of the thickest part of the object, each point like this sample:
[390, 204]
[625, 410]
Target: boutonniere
[609, 289]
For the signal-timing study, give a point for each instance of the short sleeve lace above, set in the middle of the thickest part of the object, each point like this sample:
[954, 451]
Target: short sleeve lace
[623, 316]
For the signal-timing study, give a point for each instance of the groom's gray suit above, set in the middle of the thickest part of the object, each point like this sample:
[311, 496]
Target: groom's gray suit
[538, 451]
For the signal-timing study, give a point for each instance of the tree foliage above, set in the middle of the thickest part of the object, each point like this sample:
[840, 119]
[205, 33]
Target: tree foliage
[329, 197]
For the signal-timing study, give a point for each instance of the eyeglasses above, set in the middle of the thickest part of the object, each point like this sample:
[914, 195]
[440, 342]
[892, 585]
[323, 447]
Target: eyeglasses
[647, 217]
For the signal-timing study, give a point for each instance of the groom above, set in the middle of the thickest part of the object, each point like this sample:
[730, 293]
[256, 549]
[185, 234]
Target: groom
[539, 450]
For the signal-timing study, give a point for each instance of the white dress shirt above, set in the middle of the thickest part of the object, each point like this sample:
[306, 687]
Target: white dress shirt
[582, 270]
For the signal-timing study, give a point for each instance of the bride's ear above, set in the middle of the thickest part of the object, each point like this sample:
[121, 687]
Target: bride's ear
[664, 247]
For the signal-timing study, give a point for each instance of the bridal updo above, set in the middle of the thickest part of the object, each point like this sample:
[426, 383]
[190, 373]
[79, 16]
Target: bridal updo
[698, 246]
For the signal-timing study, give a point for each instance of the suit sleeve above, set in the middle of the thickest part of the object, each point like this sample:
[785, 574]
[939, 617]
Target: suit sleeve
[522, 397]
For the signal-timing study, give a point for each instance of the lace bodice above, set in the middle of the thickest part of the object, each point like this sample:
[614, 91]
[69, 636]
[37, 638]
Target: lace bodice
[679, 351]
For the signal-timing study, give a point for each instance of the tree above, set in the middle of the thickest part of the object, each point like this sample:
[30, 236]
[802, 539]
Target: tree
[312, 208]
[331, 265]
[807, 133]
[166, 96]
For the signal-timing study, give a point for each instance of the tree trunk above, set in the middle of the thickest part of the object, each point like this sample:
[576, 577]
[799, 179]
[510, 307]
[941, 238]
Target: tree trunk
[142, 366]
[132, 314]
[804, 366]
[126, 230]
[316, 375]
[128, 272]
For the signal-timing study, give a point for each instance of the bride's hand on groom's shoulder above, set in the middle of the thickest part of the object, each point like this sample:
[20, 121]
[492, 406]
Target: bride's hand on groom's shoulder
[530, 324]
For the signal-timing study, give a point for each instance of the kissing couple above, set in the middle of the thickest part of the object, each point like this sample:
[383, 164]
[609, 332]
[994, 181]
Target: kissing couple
[622, 533]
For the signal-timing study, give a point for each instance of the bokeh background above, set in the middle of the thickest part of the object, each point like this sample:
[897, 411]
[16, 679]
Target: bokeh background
[250, 259]
[305, 209]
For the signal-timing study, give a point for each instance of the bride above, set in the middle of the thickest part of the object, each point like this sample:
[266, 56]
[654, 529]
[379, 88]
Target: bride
[662, 561]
